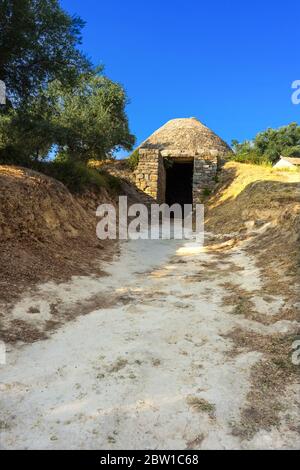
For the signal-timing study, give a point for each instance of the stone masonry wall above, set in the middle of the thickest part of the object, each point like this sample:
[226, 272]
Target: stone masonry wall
[161, 183]
[150, 174]
[205, 170]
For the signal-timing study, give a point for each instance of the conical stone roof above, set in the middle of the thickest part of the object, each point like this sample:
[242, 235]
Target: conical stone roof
[185, 137]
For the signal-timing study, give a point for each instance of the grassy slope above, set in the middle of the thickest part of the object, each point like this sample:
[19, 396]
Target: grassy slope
[263, 204]
[246, 193]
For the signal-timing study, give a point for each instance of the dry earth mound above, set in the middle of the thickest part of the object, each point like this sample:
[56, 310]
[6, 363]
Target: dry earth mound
[45, 231]
[256, 210]
[262, 203]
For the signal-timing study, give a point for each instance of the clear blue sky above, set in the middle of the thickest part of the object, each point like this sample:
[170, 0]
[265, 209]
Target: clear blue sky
[228, 63]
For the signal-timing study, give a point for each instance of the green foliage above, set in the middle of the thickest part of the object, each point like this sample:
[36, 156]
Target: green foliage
[75, 175]
[83, 122]
[38, 44]
[89, 119]
[113, 183]
[26, 132]
[267, 146]
[206, 192]
[133, 160]
[291, 151]
[56, 100]
[251, 156]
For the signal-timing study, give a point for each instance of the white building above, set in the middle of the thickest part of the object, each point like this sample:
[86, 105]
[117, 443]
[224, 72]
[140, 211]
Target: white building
[288, 162]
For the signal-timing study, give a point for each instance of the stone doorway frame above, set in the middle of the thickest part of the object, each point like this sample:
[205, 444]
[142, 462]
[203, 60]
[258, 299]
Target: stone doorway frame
[150, 174]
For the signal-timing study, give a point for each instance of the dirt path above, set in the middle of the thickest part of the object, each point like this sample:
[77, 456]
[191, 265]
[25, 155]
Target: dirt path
[151, 364]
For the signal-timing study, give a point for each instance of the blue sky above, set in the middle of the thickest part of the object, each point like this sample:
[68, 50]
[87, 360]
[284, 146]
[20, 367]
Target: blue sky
[228, 63]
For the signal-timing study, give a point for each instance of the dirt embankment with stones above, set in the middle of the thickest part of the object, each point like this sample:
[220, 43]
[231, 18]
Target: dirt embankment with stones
[46, 233]
[259, 208]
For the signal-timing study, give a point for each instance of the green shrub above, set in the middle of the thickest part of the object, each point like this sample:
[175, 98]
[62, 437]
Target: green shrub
[10, 156]
[251, 156]
[78, 177]
[75, 175]
[206, 192]
[267, 146]
[133, 160]
[112, 182]
[291, 151]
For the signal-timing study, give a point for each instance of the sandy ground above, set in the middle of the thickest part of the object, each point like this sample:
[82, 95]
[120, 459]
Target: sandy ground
[148, 366]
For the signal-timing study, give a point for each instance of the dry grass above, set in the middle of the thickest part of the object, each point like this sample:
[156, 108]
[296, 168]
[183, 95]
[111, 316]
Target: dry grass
[269, 379]
[242, 304]
[237, 176]
[195, 443]
[251, 195]
[239, 299]
[118, 365]
[248, 198]
[19, 330]
[201, 405]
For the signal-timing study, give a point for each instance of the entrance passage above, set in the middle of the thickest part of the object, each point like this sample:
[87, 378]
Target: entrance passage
[179, 183]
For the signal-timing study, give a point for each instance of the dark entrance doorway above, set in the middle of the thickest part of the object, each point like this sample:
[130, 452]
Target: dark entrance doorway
[179, 183]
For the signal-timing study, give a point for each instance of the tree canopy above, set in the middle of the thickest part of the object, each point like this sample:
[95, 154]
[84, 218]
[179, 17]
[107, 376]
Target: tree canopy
[269, 145]
[90, 120]
[38, 43]
[57, 100]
